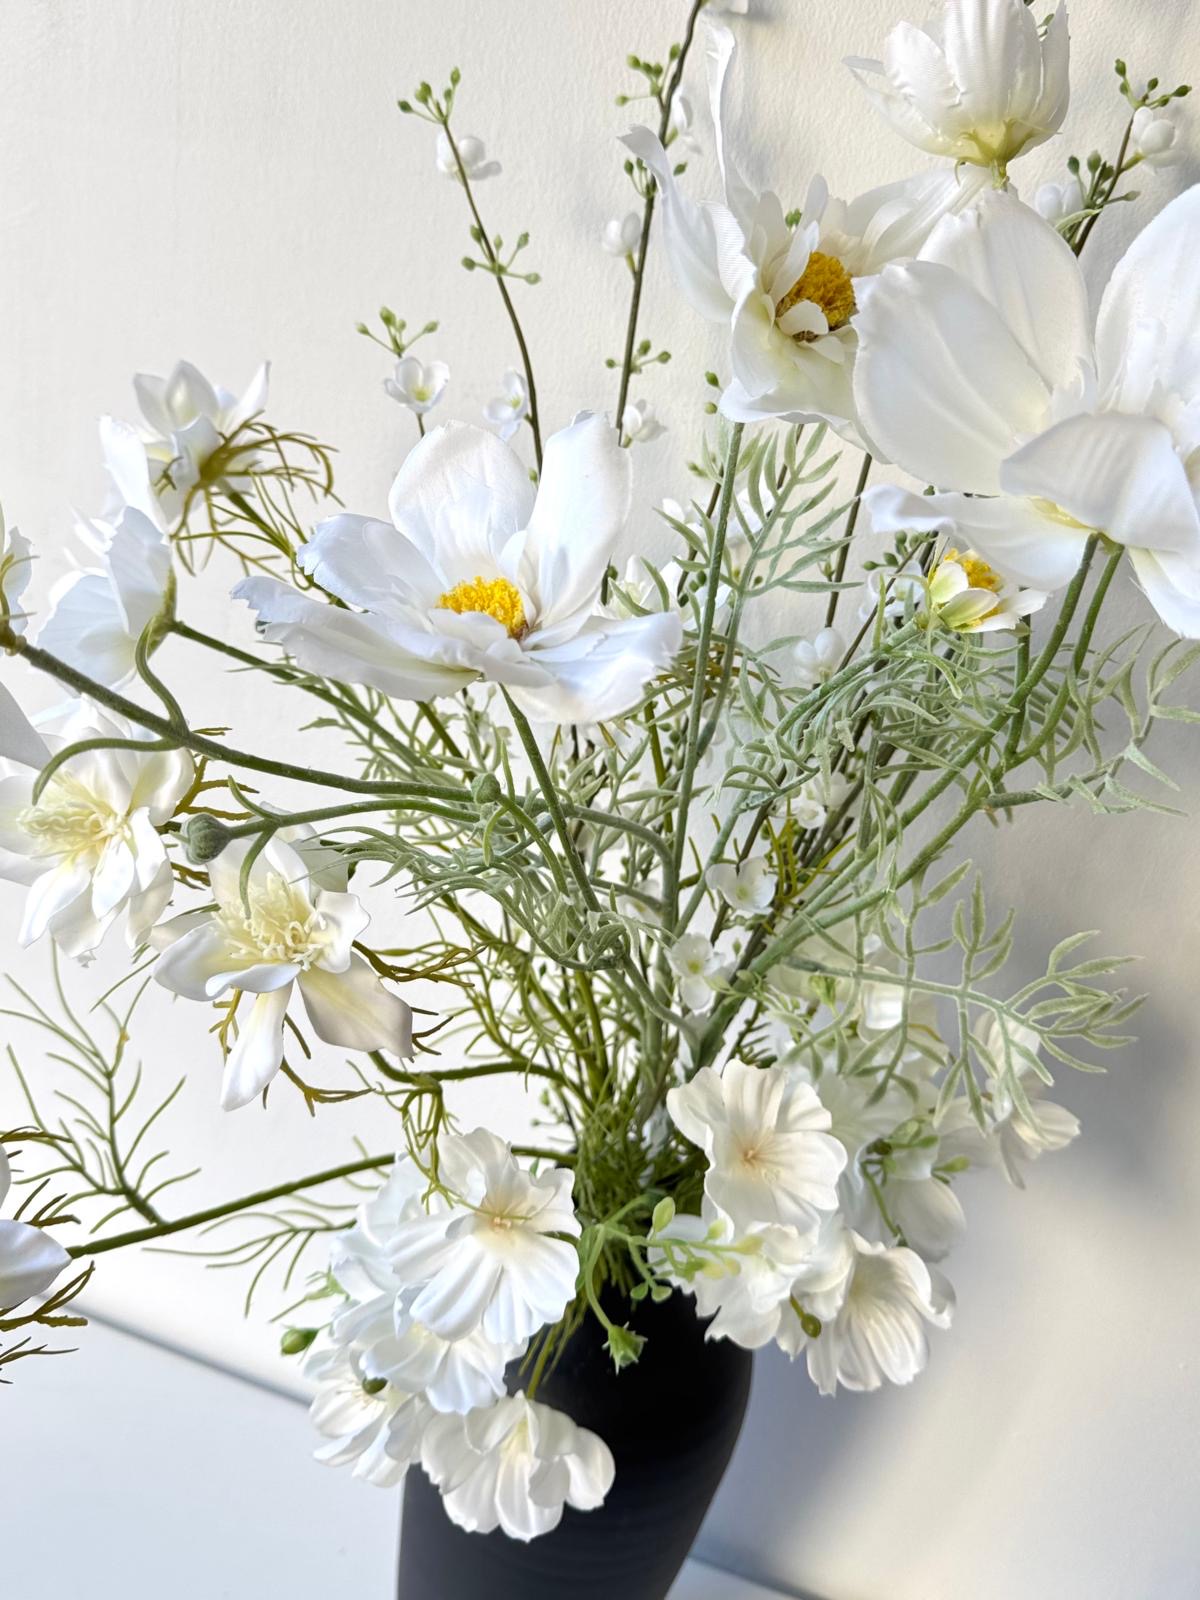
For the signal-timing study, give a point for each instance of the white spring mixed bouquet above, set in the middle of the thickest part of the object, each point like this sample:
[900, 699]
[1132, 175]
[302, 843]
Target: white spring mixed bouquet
[696, 885]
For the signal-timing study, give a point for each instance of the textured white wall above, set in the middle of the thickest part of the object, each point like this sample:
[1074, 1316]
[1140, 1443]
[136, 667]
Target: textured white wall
[232, 181]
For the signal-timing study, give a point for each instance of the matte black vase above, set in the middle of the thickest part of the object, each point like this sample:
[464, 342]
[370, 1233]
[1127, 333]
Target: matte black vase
[671, 1422]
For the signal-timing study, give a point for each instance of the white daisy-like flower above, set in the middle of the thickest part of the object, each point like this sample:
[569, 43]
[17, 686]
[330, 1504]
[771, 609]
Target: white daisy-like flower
[979, 84]
[286, 933]
[187, 419]
[472, 154]
[479, 577]
[1154, 136]
[621, 235]
[418, 385]
[499, 1257]
[818, 658]
[771, 1156]
[967, 595]
[373, 1428]
[515, 1466]
[16, 561]
[30, 1259]
[88, 846]
[508, 410]
[1058, 202]
[698, 969]
[639, 422]
[748, 888]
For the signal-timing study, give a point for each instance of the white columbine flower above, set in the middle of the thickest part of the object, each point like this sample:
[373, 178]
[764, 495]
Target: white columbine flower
[285, 933]
[480, 578]
[639, 422]
[622, 235]
[969, 596]
[1155, 136]
[419, 385]
[515, 1466]
[187, 419]
[88, 846]
[1072, 432]
[771, 1157]
[787, 294]
[30, 1259]
[510, 407]
[15, 563]
[818, 658]
[472, 154]
[1058, 202]
[977, 84]
[371, 1427]
[698, 968]
[492, 1261]
[748, 888]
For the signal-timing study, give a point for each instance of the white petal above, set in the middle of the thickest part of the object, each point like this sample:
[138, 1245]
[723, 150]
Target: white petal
[354, 1010]
[1172, 587]
[19, 739]
[258, 1053]
[30, 1260]
[1157, 282]
[456, 462]
[687, 231]
[603, 670]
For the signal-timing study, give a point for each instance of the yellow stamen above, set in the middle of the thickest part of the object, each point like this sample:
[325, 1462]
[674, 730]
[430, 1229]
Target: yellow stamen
[827, 284]
[979, 574]
[495, 597]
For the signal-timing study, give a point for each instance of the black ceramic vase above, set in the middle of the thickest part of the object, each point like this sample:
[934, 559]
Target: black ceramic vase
[671, 1422]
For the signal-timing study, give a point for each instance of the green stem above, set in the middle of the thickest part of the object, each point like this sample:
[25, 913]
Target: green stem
[851, 524]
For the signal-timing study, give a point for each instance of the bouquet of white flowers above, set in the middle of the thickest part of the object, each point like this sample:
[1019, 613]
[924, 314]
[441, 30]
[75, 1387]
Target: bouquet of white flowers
[695, 882]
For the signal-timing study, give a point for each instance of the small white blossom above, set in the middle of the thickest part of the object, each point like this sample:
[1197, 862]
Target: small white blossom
[966, 594]
[818, 658]
[699, 969]
[30, 1259]
[187, 419]
[419, 385]
[813, 801]
[622, 235]
[639, 422]
[373, 1428]
[1059, 201]
[748, 888]
[510, 407]
[515, 1466]
[1155, 136]
[472, 154]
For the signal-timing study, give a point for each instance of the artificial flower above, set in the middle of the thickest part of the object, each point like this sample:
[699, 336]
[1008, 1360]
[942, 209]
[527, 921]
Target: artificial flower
[639, 422]
[816, 797]
[372, 1427]
[510, 407]
[748, 887]
[15, 562]
[979, 84]
[486, 580]
[187, 421]
[492, 1259]
[277, 932]
[698, 969]
[967, 595]
[787, 294]
[771, 1157]
[1154, 137]
[1059, 202]
[30, 1259]
[515, 1466]
[818, 658]
[471, 153]
[682, 122]
[858, 1113]
[920, 1202]
[1015, 1133]
[1074, 432]
[621, 235]
[88, 846]
[418, 385]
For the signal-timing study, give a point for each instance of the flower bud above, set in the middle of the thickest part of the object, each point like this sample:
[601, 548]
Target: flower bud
[205, 837]
[624, 1346]
[486, 790]
[296, 1341]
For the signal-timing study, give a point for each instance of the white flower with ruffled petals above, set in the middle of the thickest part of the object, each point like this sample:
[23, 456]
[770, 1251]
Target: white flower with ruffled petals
[507, 411]
[372, 1427]
[698, 969]
[479, 577]
[1154, 137]
[515, 1466]
[747, 888]
[285, 933]
[1074, 432]
[771, 1156]
[30, 1259]
[88, 846]
[493, 1259]
[978, 84]
[621, 235]
[472, 154]
[418, 385]
[640, 424]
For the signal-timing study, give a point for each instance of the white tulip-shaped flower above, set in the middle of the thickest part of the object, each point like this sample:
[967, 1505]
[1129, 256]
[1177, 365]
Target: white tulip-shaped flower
[515, 1466]
[1072, 432]
[187, 420]
[284, 934]
[507, 411]
[88, 846]
[472, 154]
[787, 294]
[419, 385]
[480, 578]
[494, 1260]
[373, 1428]
[621, 235]
[16, 561]
[979, 84]
[771, 1156]
[30, 1259]
[748, 888]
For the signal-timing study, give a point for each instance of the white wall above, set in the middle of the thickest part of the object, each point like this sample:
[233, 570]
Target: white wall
[232, 180]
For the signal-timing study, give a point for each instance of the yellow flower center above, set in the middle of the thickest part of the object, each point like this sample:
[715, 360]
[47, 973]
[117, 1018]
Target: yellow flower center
[827, 284]
[71, 822]
[495, 597]
[979, 574]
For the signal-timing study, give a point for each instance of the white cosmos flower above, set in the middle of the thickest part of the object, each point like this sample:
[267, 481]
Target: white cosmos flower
[373, 1428]
[1073, 431]
[699, 969]
[30, 1259]
[978, 84]
[480, 578]
[187, 419]
[771, 1157]
[452, 1374]
[1154, 137]
[286, 933]
[510, 407]
[621, 235]
[515, 1466]
[969, 596]
[787, 295]
[88, 846]
[748, 888]
[818, 658]
[15, 562]
[1058, 202]
[419, 385]
[473, 155]
[492, 1260]
[640, 424]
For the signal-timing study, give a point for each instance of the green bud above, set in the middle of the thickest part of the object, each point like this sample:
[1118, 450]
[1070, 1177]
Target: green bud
[621, 100]
[1152, 83]
[468, 264]
[661, 1292]
[810, 1324]
[405, 106]
[533, 277]
[424, 94]
[712, 380]
[486, 790]
[624, 1346]
[374, 1386]
[664, 1214]
[204, 838]
[1122, 70]
[710, 409]
[361, 327]
[522, 241]
[296, 1341]
[632, 61]
[455, 77]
